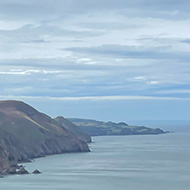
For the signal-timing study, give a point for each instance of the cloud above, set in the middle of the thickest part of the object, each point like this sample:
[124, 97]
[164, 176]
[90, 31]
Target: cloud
[174, 91]
[35, 34]
[35, 8]
[51, 9]
[140, 78]
[153, 82]
[95, 50]
[119, 25]
[28, 72]
[187, 40]
[133, 52]
[94, 98]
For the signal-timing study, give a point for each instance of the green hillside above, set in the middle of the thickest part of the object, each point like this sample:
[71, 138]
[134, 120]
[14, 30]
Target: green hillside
[98, 128]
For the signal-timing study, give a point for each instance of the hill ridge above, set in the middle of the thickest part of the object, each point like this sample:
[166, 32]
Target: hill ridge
[100, 128]
[26, 133]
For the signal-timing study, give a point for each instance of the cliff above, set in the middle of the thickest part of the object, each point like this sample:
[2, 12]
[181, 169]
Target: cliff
[26, 133]
[4, 160]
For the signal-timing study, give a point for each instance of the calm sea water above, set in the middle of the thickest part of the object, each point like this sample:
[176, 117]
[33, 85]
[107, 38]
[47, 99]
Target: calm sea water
[116, 162]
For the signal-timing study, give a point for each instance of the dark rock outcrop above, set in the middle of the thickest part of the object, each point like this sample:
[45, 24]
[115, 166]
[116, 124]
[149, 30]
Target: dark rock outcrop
[22, 171]
[36, 172]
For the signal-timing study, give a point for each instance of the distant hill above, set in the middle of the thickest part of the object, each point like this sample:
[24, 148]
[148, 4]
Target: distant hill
[26, 133]
[169, 125]
[97, 128]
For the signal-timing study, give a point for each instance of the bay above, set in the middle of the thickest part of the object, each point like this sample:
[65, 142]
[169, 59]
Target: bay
[149, 162]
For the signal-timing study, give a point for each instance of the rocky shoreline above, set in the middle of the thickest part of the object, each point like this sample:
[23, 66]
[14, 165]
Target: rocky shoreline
[19, 170]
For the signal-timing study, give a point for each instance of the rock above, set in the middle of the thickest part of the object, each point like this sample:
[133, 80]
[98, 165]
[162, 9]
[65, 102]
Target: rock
[36, 172]
[19, 166]
[22, 171]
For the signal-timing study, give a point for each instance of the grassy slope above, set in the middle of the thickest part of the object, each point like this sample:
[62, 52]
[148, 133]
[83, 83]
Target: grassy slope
[73, 128]
[96, 128]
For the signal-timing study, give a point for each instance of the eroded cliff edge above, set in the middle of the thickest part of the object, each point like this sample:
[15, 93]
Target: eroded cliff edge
[26, 133]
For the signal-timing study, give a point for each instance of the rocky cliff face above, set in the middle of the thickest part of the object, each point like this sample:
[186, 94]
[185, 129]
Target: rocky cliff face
[26, 133]
[4, 160]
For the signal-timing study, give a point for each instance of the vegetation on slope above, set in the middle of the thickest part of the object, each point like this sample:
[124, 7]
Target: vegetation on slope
[96, 128]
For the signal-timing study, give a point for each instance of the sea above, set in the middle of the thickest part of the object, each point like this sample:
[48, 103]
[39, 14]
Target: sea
[143, 162]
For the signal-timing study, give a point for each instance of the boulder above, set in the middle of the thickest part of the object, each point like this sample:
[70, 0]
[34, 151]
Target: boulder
[22, 171]
[36, 172]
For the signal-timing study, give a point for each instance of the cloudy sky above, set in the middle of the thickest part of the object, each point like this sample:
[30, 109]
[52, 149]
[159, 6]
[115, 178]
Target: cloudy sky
[101, 59]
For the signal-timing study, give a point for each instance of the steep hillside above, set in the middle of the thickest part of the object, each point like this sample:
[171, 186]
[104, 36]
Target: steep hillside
[26, 133]
[72, 128]
[97, 128]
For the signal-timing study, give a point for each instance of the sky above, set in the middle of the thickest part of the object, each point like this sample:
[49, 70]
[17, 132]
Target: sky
[100, 59]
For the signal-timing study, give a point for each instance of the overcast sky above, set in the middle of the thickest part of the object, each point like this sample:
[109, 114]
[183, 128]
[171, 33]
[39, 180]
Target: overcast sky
[101, 59]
